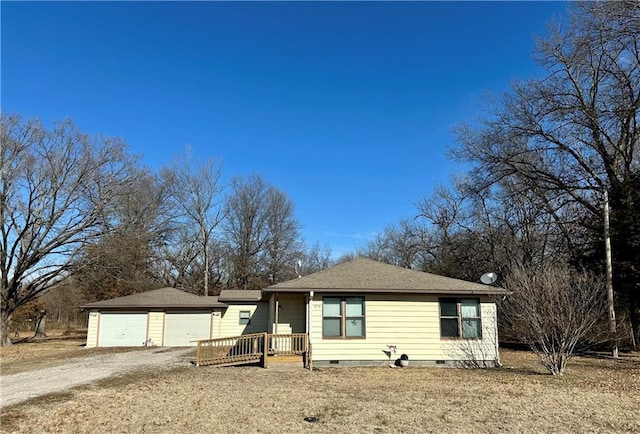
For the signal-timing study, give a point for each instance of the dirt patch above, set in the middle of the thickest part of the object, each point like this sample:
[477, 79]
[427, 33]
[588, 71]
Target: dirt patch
[596, 395]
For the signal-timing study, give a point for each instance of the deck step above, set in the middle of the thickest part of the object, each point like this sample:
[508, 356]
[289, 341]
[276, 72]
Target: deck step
[285, 362]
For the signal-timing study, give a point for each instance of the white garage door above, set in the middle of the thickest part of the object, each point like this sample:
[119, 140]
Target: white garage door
[180, 329]
[122, 329]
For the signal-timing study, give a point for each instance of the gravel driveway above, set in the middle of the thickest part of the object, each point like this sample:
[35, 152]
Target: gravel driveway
[20, 387]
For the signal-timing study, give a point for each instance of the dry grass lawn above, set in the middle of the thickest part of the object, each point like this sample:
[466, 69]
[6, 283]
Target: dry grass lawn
[28, 354]
[596, 395]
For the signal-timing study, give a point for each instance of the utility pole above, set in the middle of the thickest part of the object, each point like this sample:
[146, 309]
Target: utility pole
[609, 270]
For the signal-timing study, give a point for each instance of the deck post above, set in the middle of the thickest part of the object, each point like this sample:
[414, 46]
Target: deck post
[198, 354]
[308, 336]
[265, 349]
[275, 327]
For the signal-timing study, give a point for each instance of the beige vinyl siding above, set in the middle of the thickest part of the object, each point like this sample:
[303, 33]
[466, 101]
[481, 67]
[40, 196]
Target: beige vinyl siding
[216, 324]
[482, 349]
[155, 328]
[92, 329]
[230, 319]
[411, 322]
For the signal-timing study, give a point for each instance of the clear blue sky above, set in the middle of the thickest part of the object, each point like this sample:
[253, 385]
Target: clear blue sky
[346, 107]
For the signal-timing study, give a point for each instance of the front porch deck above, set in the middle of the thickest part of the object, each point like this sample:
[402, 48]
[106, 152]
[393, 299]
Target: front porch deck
[254, 348]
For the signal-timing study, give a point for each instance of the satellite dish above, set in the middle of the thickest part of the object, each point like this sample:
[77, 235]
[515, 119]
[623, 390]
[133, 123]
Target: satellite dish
[488, 278]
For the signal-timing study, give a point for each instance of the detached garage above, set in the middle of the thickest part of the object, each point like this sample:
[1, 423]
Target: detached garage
[163, 317]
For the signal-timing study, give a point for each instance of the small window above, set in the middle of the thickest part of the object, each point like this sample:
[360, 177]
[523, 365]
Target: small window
[245, 317]
[343, 317]
[460, 318]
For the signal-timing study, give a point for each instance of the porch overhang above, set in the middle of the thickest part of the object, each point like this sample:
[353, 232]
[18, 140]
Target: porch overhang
[238, 295]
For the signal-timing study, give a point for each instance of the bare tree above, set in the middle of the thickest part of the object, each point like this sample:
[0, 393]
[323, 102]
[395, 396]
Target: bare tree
[576, 129]
[181, 263]
[177, 257]
[554, 310]
[261, 232]
[346, 257]
[119, 262]
[55, 188]
[574, 133]
[30, 317]
[406, 244]
[283, 247]
[63, 303]
[463, 241]
[245, 228]
[196, 191]
[314, 259]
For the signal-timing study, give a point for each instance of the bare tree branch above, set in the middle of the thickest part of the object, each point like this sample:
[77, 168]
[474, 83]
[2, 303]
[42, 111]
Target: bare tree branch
[55, 187]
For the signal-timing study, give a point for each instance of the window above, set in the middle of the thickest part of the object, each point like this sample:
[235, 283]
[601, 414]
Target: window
[245, 316]
[460, 318]
[343, 317]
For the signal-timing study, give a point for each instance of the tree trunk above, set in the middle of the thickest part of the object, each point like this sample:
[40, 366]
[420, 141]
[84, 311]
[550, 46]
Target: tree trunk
[6, 319]
[40, 326]
[635, 320]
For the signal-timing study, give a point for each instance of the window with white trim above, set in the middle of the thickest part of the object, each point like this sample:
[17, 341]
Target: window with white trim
[460, 318]
[245, 317]
[343, 317]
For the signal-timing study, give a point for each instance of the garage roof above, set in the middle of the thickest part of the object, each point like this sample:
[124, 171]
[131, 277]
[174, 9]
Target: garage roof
[364, 275]
[163, 298]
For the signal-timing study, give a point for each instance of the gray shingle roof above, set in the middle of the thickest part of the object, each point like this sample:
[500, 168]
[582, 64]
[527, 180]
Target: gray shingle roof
[240, 295]
[365, 275]
[163, 298]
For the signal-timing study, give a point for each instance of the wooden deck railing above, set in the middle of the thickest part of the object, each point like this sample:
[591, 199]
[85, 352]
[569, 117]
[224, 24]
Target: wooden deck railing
[252, 348]
[288, 345]
[233, 350]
